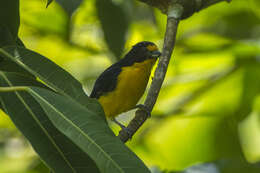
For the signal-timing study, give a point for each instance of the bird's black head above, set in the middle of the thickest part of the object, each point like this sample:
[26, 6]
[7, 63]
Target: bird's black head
[142, 51]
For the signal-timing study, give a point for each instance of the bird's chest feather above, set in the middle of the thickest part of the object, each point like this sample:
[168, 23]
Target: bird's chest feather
[131, 84]
[132, 81]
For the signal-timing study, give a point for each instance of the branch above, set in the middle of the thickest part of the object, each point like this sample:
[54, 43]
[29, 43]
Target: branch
[175, 11]
[190, 6]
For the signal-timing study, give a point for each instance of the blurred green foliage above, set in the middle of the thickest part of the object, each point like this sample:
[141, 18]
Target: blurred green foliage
[220, 123]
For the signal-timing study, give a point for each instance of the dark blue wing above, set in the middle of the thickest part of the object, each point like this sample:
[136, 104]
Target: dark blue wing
[106, 82]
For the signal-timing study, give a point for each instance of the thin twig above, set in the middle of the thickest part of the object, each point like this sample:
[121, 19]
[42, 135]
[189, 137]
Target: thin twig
[169, 42]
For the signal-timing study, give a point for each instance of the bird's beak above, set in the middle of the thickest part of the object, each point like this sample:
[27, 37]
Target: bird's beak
[155, 54]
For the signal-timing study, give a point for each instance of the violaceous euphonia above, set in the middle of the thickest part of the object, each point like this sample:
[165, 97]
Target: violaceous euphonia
[120, 86]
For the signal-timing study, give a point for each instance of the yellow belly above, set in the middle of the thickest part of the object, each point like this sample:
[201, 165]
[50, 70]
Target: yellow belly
[131, 85]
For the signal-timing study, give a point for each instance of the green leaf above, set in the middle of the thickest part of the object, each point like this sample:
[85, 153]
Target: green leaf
[20, 43]
[182, 141]
[69, 5]
[47, 22]
[114, 23]
[54, 76]
[57, 151]
[89, 132]
[9, 16]
[6, 36]
[225, 26]
[236, 165]
[10, 66]
[6, 64]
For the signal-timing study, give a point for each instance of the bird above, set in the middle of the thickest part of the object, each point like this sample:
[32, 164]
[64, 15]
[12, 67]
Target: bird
[119, 88]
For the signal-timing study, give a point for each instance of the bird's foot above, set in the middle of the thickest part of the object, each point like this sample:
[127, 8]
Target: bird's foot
[123, 127]
[144, 108]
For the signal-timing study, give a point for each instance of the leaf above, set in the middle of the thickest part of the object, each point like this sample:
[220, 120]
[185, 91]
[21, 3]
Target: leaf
[45, 22]
[236, 165]
[57, 151]
[7, 39]
[89, 132]
[182, 141]
[37, 166]
[6, 64]
[9, 16]
[69, 5]
[54, 76]
[114, 23]
[225, 26]
[10, 66]
[6, 36]
[20, 43]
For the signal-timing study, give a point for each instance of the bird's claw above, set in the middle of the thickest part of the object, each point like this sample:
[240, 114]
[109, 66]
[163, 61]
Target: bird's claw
[123, 128]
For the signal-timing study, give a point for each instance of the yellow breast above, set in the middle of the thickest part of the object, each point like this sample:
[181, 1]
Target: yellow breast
[131, 84]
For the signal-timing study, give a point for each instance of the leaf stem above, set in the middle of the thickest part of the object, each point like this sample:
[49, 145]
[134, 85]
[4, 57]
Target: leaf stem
[12, 89]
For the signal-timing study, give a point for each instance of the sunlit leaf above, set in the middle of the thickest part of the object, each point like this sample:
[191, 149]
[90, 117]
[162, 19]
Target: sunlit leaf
[255, 5]
[222, 166]
[89, 132]
[19, 42]
[249, 135]
[54, 76]
[51, 21]
[57, 151]
[114, 23]
[183, 141]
